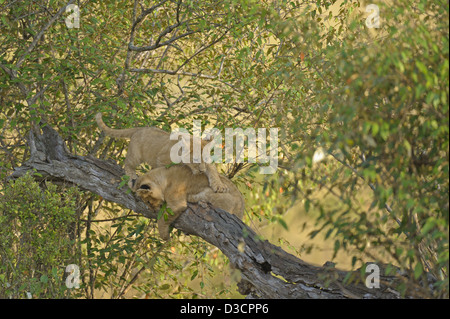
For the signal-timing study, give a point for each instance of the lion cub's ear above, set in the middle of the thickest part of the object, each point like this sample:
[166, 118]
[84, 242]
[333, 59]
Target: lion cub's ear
[144, 190]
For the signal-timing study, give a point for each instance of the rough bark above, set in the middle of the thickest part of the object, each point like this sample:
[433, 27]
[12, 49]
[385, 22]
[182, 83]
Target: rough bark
[267, 271]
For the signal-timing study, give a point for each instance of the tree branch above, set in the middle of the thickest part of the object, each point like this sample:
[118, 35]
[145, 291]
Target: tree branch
[267, 271]
[170, 72]
[158, 43]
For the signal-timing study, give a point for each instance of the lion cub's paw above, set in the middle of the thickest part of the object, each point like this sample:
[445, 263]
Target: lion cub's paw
[219, 188]
[165, 235]
[163, 229]
[203, 203]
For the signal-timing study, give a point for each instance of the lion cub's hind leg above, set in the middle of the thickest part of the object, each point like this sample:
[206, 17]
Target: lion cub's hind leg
[214, 179]
[226, 201]
[201, 198]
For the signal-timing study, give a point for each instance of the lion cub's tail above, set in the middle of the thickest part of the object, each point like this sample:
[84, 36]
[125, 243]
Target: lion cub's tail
[124, 133]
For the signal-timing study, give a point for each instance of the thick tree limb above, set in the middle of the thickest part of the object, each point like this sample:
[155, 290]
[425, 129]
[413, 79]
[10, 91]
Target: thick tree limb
[267, 271]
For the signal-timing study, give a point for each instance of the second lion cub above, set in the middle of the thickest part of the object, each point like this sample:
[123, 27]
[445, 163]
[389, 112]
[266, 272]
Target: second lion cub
[177, 185]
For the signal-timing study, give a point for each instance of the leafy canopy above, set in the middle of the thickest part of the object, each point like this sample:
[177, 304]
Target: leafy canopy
[374, 101]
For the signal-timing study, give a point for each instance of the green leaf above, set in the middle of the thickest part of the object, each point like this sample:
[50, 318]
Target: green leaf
[375, 129]
[418, 270]
[354, 259]
[171, 164]
[282, 223]
[307, 205]
[162, 210]
[337, 245]
[124, 181]
[429, 224]
[170, 211]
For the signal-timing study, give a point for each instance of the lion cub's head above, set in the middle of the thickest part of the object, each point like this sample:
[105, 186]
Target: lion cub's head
[149, 191]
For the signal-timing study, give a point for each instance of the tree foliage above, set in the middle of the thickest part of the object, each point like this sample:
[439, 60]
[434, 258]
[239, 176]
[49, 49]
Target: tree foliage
[37, 231]
[374, 101]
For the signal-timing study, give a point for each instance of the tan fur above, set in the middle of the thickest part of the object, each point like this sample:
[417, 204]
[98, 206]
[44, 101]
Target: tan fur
[152, 145]
[177, 186]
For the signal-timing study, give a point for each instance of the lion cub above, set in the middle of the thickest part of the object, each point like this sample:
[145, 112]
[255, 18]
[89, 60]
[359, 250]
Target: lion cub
[177, 185]
[152, 145]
